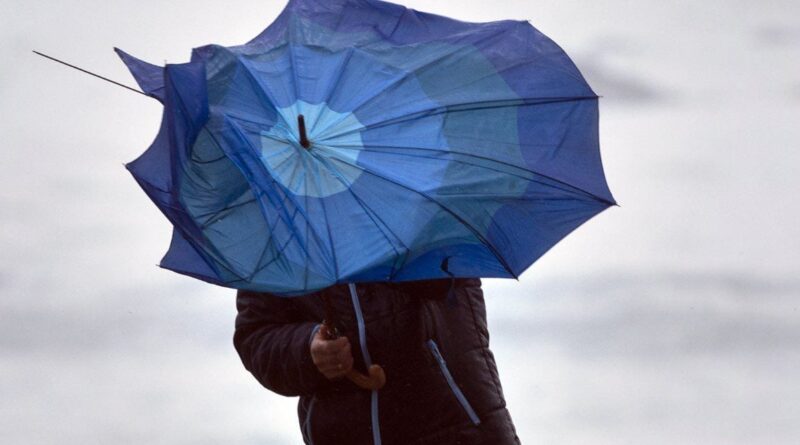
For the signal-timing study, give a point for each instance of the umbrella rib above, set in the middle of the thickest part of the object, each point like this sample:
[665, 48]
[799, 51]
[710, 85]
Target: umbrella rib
[434, 111]
[286, 197]
[370, 212]
[404, 74]
[440, 110]
[456, 108]
[331, 248]
[213, 216]
[321, 136]
[260, 89]
[201, 252]
[461, 220]
[208, 248]
[333, 125]
[333, 88]
[216, 254]
[278, 252]
[567, 187]
[279, 249]
[415, 70]
[293, 69]
[373, 215]
[263, 90]
[270, 241]
[317, 237]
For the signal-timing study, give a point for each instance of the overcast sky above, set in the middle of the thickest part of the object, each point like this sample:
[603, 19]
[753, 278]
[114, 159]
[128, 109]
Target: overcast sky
[671, 319]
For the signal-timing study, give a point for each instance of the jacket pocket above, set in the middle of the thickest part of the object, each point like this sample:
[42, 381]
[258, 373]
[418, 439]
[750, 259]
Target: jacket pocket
[452, 383]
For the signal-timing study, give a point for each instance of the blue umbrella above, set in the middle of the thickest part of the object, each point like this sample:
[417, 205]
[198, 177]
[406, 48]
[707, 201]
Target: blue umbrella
[358, 140]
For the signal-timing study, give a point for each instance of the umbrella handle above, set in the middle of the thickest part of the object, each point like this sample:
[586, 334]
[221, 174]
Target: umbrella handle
[376, 378]
[373, 382]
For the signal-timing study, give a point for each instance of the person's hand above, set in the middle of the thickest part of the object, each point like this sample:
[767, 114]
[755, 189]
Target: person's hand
[332, 357]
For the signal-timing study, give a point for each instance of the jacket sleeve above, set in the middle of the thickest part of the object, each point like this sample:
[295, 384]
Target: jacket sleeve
[274, 344]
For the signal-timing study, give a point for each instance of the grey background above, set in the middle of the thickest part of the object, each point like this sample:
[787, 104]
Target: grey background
[671, 319]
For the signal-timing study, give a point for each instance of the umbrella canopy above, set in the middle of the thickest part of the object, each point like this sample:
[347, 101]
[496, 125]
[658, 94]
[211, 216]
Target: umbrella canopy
[358, 140]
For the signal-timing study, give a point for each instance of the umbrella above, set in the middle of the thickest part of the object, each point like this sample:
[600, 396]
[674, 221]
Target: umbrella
[358, 140]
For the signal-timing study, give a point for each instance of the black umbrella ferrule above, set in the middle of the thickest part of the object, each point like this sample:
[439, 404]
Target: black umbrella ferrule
[301, 124]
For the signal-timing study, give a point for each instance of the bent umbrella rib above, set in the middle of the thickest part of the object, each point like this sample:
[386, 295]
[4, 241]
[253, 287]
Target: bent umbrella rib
[370, 212]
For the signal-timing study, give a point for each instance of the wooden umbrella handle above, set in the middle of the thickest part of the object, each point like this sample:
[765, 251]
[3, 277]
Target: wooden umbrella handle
[374, 381]
[376, 378]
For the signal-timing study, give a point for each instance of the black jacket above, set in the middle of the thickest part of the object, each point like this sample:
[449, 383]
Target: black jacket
[442, 385]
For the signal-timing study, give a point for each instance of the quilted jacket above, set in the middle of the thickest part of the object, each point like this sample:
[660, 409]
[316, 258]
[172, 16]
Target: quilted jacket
[431, 339]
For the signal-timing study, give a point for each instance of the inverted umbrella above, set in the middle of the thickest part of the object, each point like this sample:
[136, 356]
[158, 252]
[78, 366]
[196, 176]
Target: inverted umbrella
[358, 140]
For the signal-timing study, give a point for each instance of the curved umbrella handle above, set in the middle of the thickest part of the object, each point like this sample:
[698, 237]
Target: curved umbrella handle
[374, 381]
[376, 378]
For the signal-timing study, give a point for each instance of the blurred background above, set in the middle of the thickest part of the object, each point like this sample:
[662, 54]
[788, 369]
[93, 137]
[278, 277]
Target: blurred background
[672, 319]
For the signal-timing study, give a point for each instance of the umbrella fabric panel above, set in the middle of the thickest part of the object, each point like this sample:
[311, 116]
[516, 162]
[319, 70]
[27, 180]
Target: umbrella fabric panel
[159, 169]
[337, 147]
[433, 142]
[335, 171]
[531, 64]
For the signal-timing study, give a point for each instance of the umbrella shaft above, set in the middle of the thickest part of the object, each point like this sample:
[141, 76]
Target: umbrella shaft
[301, 124]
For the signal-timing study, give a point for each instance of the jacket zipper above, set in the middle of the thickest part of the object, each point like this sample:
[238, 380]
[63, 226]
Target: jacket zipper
[452, 383]
[362, 338]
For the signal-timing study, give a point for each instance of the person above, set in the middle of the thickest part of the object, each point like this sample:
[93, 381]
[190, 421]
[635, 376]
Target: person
[430, 337]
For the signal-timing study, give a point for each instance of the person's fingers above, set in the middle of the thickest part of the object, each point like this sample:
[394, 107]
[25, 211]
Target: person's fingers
[334, 371]
[337, 362]
[338, 365]
[320, 346]
[333, 358]
[336, 368]
[329, 373]
[334, 353]
[344, 349]
[344, 357]
[346, 364]
[334, 346]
